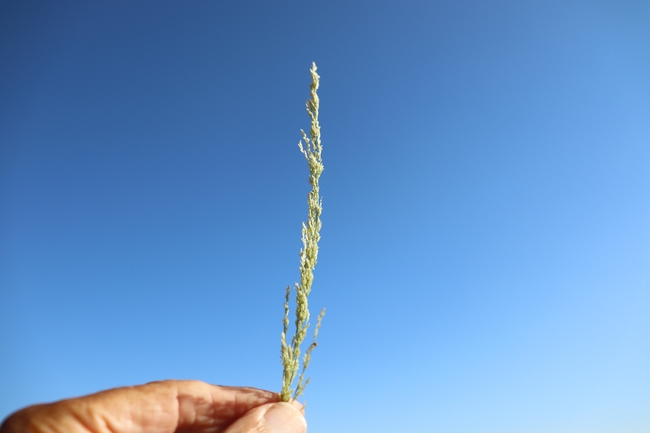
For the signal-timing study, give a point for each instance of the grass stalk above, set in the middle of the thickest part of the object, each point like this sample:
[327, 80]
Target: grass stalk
[290, 353]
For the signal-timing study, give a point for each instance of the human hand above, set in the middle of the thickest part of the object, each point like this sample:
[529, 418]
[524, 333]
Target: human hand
[163, 407]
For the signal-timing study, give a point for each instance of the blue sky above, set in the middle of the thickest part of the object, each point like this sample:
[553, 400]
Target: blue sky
[485, 246]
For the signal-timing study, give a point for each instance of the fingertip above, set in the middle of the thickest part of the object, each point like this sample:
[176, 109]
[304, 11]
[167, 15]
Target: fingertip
[285, 418]
[278, 417]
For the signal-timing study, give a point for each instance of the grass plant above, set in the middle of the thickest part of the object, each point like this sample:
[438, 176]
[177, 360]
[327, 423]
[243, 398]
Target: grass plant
[290, 353]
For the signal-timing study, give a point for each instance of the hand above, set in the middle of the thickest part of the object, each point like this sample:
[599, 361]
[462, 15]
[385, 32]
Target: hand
[163, 407]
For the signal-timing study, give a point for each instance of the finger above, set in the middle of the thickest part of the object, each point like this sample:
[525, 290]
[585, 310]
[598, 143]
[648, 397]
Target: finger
[271, 418]
[158, 407]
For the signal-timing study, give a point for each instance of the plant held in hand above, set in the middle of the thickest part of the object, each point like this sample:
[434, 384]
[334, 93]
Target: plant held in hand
[290, 353]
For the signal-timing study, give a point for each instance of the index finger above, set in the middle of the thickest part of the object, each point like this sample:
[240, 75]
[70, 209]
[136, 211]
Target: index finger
[160, 407]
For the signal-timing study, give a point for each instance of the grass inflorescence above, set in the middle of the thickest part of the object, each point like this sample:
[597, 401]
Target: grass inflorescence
[290, 353]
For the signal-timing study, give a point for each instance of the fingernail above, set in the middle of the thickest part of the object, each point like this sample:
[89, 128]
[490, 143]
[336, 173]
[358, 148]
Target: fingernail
[285, 418]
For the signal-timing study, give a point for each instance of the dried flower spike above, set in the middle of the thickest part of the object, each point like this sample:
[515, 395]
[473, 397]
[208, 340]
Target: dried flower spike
[290, 354]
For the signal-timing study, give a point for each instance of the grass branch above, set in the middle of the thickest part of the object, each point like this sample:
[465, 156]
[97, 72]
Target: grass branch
[290, 353]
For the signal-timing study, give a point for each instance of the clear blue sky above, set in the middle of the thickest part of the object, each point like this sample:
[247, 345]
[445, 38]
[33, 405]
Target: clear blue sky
[485, 254]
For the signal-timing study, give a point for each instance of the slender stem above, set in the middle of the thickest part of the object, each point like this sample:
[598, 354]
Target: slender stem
[308, 257]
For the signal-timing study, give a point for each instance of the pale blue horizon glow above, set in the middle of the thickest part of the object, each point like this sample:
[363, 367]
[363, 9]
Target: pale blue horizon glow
[485, 246]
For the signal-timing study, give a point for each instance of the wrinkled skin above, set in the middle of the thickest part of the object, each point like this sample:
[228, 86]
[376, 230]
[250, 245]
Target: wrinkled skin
[163, 407]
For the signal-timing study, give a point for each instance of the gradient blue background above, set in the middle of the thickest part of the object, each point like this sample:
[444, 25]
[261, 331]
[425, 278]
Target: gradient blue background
[485, 258]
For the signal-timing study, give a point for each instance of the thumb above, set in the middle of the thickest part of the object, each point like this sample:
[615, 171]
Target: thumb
[271, 418]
